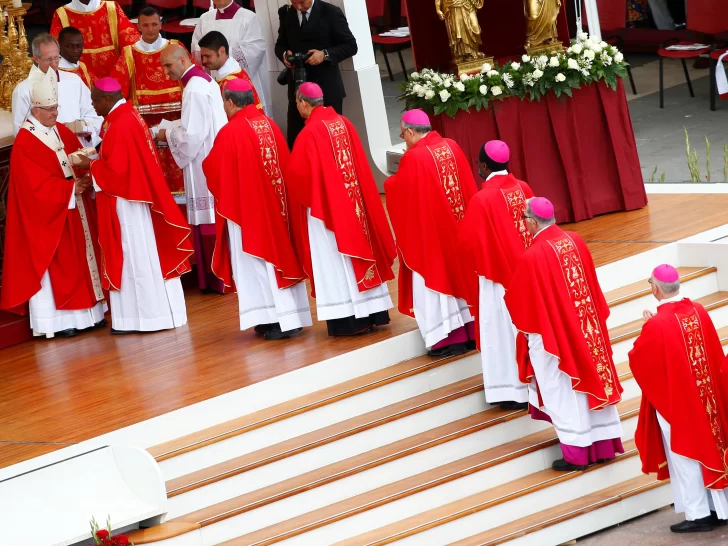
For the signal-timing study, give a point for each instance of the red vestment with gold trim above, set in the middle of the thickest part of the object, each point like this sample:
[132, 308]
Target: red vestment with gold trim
[83, 72]
[106, 31]
[554, 292]
[426, 200]
[677, 363]
[330, 174]
[243, 75]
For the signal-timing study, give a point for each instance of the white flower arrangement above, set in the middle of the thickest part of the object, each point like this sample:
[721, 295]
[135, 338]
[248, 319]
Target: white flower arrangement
[585, 62]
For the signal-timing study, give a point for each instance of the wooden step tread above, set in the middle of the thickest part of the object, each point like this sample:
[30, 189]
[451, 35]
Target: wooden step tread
[298, 405]
[633, 329]
[562, 512]
[325, 435]
[469, 505]
[641, 288]
[420, 482]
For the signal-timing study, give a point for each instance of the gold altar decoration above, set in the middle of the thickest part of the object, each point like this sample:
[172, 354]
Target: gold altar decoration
[463, 32]
[16, 63]
[542, 36]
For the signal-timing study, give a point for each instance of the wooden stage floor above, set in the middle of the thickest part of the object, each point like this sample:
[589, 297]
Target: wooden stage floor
[55, 393]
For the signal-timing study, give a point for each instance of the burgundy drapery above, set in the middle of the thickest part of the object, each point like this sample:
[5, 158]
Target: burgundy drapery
[579, 152]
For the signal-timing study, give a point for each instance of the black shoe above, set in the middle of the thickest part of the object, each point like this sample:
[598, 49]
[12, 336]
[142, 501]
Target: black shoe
[441, 352]
[715, 521]
[702, 525]
[275, 333]
[563, 464]
[71, 332]
[122, 332]
[514, 406]
[471, 345]
[602, 461]
[100, 324]
[263, 328]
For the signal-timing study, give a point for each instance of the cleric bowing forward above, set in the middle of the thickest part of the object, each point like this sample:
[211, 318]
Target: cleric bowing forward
[427, 199]
[246, 172]
[345, 246]
[556, 303]
[493, 237]
[681, 433]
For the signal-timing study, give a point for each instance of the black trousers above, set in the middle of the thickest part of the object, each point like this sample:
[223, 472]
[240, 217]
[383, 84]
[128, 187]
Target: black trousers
[296, 122]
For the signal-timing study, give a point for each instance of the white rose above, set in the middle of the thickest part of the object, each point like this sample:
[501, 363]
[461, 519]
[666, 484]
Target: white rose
[496, 90]
[619, 57]
[576, 49]
[596, 48]
[589, 54]
[444, 95]
[493, 73]
[572, 64]
[543, 59]
[421, 91]
[560, 77]
[516, 66]
[483, 89]
[526, 59]
[582, 37]
[415, 76]
[465, 77]
[448, 83]
[554, 61]
[606, 59]
[429, 94]
[460, 86]
[537, 74]
[486, 68]
[437, 79]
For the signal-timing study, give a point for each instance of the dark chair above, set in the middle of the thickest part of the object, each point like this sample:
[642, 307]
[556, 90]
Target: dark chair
[683, 55]
[392, 43]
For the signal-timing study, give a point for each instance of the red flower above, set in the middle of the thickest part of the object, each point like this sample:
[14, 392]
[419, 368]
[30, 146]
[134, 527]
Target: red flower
[102, 534]
[121, 540]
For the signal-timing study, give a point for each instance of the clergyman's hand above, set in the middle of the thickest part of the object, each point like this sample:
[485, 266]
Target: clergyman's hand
[83, 183]
[162, 135]
[82, 162]
[647, 314]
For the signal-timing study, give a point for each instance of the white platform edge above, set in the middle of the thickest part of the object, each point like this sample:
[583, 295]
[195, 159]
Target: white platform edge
[687, 188]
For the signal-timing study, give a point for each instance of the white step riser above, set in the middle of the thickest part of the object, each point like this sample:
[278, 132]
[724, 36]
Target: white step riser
[632, 310]
[322, 417]
[596, 520]
[336, 451]
[620, 350]
[526, 504]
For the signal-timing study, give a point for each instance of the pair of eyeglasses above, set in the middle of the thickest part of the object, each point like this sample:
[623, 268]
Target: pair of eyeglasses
[52, 60]
[650, 281]
[50, 109]
[401, 135]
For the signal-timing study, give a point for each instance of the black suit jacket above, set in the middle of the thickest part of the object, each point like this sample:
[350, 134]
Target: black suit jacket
[327, 29]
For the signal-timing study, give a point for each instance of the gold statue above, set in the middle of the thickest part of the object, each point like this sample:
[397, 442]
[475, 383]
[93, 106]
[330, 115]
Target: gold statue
[541, 33]
[463, 31]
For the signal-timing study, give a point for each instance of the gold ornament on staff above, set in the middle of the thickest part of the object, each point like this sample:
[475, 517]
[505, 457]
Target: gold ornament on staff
[542, 36]
[16, 63]
[463, 32]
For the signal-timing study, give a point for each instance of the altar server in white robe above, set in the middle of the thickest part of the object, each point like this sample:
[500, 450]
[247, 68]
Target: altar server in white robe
[246, 172]
[75, 110]
[143, 235]
[244, 33]
[50, 257]
[190, 140]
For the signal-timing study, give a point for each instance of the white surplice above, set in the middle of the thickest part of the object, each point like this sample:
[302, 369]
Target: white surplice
[248, 47]
[498, 346]
[156, 45]
[145, 302]
[190, 140]
[260, 301]
[74, 103]
[437, 314]
[337, 292]
[77, 5]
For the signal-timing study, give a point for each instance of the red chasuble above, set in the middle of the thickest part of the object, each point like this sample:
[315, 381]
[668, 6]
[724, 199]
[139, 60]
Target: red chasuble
[155, 96]
[493, 235]
[243, 75]
[42, 234]
[106, 31]
[554, 292]
[330, 174]
[129, 168]
[426, 201]
[676, 361]
[84, 73]
[246, 173]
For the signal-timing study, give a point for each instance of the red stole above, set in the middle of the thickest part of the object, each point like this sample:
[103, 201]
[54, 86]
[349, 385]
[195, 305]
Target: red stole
[42, 234]
[246, 173]
[129, 168]
[243, 75]
[677, 363]
[330, 174]
[82, 72]
[426, 200]
[554, 292]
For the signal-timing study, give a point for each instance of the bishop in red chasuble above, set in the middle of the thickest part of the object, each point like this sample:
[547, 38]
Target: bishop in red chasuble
[246, 172]
[427, 199]
[493, 237]
[144, 239]
[50, 239]
[563, 350]
[105, 27]
[682, 432]
[343, 239]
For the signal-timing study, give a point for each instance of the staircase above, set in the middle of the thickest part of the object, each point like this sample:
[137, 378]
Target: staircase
[410, 453]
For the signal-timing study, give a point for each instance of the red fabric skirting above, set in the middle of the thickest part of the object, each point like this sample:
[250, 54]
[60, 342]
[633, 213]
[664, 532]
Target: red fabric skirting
[578, 152]
[14, 328]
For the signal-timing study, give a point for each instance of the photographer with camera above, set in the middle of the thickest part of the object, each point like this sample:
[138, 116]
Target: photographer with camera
[313, 38]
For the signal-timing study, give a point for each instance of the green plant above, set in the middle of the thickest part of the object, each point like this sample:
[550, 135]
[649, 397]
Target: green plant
[707, 158]
[693, 160]
[725, 162]
[652, 178]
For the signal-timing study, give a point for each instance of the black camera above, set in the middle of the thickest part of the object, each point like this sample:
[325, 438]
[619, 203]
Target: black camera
[298, 62]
